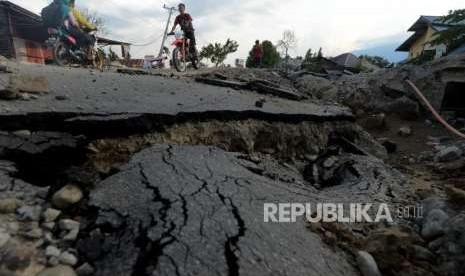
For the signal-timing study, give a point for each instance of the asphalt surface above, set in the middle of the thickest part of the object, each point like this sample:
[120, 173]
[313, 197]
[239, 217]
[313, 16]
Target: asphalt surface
[199, 211]
[88, 92]
[184, 210]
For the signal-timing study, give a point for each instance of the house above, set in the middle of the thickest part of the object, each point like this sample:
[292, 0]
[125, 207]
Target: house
[424, 30]
[23, 36]
[347, 60]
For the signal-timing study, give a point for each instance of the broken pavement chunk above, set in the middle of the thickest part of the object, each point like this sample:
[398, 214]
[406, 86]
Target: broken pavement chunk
[405, 131]
[260, 86]
[29, 83]
[200, 202]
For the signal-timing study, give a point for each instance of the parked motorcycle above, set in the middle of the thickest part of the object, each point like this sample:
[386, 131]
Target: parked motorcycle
[181, 54]
[65, 50]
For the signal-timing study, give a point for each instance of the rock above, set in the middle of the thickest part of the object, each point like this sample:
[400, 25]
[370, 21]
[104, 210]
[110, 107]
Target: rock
[405, 108]
[48, 237]
[35, 233]
[60, 270]
[72, 228]
[24, 97]
[68, 224]
[455, 195]
[9, 205]
[432, 203]
[4, 237]
[373, 122]
[388, 247]
[67, 258]
[436, 244]
[434, 224]
[53, 261]
[449, 154]
[67, 196]
[390, 146]
[456, 232]
[85, 270]
[452, 249]
[405, 131]
[50, 215]
[423, 254]
[29, 213]
[61, 98]
[367, 264]
[48, 225]
[52, 251]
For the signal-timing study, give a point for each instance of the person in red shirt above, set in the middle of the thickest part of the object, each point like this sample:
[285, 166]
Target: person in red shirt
[185, 21]
[257, 52]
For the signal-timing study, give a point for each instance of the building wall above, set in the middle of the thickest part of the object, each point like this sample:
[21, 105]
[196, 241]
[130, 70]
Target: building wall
[419, 46]
[422, 44]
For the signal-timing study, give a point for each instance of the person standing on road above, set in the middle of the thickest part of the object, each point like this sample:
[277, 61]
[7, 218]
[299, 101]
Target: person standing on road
[258, 54]
[185, 21]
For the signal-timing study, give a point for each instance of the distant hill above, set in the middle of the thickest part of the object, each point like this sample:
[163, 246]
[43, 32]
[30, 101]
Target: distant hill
[384, 50]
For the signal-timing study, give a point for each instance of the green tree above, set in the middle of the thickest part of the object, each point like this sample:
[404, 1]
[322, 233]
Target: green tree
[112, 55]
[319, 56]
[271, 56]
[308, 56]
[454, 36]
[218, 52]
[95, 18]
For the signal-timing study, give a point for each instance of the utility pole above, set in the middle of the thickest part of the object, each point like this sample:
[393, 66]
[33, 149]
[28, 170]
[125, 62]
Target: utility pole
[171, 11]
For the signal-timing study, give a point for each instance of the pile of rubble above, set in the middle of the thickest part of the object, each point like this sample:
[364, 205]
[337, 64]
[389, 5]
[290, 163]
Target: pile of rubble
[36, 233]
[385, 90]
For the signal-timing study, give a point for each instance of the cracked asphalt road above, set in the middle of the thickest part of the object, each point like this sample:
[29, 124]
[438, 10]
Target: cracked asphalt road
[199, 211]
[111, 94]
[183, 210]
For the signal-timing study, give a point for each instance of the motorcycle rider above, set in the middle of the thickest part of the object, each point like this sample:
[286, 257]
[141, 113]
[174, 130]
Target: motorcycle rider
[85, 27]
[185, 21]
[71, 26]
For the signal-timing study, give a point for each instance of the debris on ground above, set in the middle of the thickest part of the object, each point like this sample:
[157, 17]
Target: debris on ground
[260, 86]
[101, 174]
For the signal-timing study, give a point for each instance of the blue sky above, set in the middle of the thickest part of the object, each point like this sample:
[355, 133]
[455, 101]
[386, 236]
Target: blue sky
[337, 26]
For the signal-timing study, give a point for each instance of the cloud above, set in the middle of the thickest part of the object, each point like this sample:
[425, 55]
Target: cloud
[335, 25]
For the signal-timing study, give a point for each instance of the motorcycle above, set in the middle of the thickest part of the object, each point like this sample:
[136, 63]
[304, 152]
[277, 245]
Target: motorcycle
[65, 50]
[182, 54]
